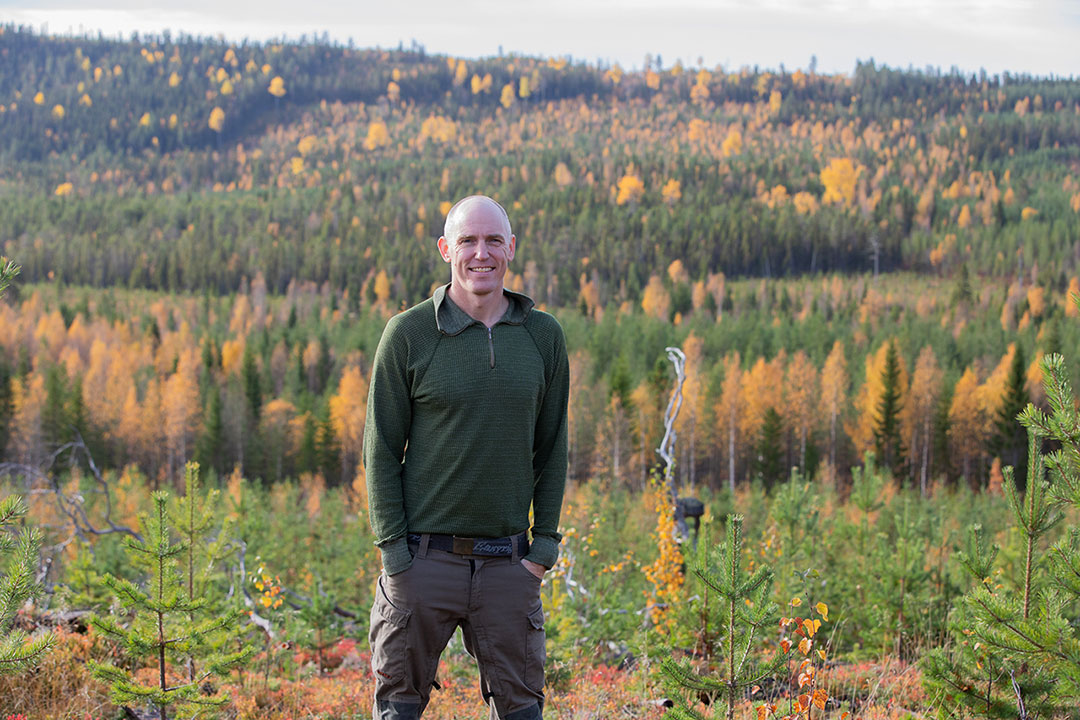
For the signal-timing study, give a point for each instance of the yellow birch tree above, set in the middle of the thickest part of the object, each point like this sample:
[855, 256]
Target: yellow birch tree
[919, 411]
[834, 393]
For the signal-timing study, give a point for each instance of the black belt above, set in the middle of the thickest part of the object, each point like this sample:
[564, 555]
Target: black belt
[490, 547]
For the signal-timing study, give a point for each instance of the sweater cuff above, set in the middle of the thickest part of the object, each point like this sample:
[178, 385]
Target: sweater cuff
[396, 556]
[543, 551]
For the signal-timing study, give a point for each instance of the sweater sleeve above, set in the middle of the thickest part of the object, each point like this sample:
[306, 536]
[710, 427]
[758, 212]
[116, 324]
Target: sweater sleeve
[550, 455]
[386, 433]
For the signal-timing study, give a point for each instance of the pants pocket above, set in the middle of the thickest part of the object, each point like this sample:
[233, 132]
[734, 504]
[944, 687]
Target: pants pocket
[535, 580]
[535, 650]
[389, 640]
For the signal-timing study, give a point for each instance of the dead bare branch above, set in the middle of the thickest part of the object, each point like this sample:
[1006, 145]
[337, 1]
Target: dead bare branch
[72, 507]
[667, 444]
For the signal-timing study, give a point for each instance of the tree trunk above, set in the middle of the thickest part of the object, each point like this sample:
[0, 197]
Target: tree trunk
[731, 458]
[690, 462]
[925, 459]
[832, 441]
[802, 450]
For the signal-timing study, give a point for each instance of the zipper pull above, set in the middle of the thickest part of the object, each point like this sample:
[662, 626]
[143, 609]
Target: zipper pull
[491, 348]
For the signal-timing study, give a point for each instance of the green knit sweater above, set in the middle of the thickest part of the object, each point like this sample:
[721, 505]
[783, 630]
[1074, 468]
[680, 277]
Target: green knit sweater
[466, 427]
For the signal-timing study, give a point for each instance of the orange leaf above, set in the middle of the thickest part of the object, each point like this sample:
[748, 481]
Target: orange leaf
[762, 712]
[804, 680]
[823, 609]
[804, 702]
[843, 715]
[753, 690]
[785, 645]
[820, 697]
[821, 654]
[804, 646]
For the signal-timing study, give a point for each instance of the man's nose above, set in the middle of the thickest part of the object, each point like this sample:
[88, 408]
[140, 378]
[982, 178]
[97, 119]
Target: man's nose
[481, 250]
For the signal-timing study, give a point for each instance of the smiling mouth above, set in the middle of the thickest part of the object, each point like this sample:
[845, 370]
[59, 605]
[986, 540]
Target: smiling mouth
[481, 269]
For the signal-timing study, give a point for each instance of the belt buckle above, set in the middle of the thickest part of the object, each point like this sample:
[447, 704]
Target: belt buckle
[463, 545]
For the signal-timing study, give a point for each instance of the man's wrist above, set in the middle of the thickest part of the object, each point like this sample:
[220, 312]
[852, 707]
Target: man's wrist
[396, 556]
[543, 550]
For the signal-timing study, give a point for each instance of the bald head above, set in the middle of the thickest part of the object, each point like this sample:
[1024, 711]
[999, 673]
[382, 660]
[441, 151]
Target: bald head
[462, 207]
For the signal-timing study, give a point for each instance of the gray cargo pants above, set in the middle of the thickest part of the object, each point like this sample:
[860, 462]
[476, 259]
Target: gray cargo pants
[495, 601]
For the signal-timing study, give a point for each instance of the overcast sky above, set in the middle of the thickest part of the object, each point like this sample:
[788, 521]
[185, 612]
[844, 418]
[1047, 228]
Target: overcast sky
[1034, 36]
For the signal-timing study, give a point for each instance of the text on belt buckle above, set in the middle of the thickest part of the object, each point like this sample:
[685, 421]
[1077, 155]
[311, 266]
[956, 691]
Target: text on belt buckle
[463, 545]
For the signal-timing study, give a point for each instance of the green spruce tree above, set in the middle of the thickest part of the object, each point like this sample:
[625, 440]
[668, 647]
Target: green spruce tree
[328, 451]
[208, 448]
[249, 373]
[962, 292]
[307, 459]
[323, 365]
[1008, 441]
[769, 455]
[887, 442]
[6, 397]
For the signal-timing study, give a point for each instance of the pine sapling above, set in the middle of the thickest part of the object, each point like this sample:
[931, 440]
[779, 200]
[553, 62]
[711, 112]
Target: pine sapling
[83, 589]
[1012, 637]
[17, 584]
[795, 510]
[1047, 636]
[8, 271]
[746, 612]
[968, 675]
[317, 621]
[866, 486]
[900, 573]
[201, 563]
[18, 652]
[160, 627]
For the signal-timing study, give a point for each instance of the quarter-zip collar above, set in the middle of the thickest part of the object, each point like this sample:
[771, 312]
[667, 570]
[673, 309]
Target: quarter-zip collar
[451, 319]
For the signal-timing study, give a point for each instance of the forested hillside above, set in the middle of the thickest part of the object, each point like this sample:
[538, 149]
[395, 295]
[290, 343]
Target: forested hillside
[295, 190]
[189, 164]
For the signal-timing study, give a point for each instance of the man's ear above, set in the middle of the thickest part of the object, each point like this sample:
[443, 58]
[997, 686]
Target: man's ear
[513, 247]
[444, 248]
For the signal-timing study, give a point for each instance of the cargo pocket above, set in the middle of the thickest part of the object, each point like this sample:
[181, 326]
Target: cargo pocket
[389, 641]
[536, 651]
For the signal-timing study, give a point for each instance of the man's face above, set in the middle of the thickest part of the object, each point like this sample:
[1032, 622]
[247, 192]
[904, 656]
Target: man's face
[479, 247]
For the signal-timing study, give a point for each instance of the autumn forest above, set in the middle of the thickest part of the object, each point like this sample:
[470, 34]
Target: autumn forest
[870, 275]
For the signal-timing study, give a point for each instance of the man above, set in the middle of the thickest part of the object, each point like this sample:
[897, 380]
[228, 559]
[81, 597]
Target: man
[466, 432]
